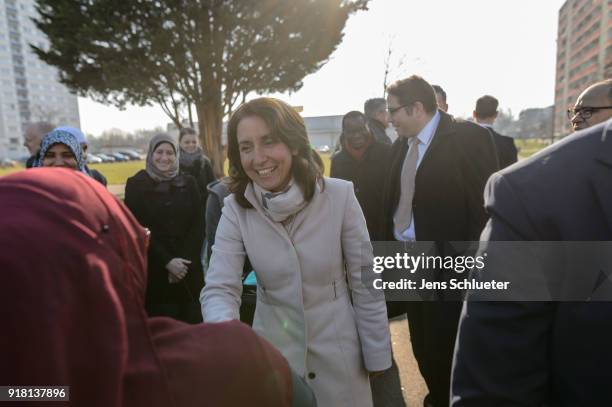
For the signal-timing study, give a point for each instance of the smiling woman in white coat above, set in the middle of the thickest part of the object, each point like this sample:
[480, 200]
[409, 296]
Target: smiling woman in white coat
[307, 240]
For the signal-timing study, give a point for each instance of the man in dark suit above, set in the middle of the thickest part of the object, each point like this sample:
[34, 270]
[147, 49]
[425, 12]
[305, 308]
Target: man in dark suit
[485, 115]
[440, 98]
[439, 167]
[543, 353]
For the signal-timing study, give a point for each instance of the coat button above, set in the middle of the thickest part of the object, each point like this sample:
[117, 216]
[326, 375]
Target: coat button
[311, 375]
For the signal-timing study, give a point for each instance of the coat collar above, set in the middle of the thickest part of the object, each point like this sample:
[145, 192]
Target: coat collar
[442, 131]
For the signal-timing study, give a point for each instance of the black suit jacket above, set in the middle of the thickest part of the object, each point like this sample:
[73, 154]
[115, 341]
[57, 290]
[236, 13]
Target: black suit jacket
[448, 197]
[368, 177]
[507, 153]
[544, 353]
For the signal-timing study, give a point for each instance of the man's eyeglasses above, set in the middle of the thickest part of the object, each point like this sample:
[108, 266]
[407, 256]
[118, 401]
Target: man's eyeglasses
[392, 110]
[584, 112]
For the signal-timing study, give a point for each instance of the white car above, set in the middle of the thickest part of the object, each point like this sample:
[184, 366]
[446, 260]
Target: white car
[7, 162]
[93, 159]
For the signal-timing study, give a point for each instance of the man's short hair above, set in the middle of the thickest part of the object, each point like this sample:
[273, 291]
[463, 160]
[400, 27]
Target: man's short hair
[373, 106]
[486, 106]
[438, 89]
[414, 89]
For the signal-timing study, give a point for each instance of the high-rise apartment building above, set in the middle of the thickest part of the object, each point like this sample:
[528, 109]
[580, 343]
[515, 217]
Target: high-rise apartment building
[29, 88]
[584, 53]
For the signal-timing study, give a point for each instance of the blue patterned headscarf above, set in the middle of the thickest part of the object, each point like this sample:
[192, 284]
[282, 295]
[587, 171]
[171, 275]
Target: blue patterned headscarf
[61, 137]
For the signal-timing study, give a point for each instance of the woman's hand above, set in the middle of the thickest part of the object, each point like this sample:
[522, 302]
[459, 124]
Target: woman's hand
[178, 267]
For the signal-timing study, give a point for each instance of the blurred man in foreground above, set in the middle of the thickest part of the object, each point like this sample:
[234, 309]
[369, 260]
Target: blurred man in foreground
[543, 353]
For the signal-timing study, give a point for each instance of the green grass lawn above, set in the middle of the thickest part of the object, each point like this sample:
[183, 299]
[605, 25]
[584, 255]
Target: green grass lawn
[528, 147]
[10, 170]
[118, 173]
[115, 173]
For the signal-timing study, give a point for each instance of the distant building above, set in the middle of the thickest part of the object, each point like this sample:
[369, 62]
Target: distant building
[29, 88]
[323, 130]
[535, 123]
[584, 53]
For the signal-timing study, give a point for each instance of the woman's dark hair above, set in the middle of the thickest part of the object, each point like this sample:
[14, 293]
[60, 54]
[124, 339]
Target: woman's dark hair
[185, 131]
[286, 125]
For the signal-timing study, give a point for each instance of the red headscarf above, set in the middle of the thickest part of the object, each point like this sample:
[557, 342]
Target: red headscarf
[74, 275]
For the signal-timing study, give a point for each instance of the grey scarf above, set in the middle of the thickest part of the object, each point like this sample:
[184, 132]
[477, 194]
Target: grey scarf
[280, 206]
[187, 159]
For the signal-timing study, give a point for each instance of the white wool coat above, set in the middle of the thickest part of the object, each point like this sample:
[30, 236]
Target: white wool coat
[304, 305]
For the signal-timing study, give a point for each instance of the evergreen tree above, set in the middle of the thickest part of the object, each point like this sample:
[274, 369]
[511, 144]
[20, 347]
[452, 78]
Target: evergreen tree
[199, 56]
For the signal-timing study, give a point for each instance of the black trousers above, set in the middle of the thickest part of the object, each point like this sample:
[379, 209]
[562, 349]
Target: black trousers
[387, 388]
[433, 329]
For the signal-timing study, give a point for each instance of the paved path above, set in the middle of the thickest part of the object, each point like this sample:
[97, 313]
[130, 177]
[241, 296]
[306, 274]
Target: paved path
[413, 385]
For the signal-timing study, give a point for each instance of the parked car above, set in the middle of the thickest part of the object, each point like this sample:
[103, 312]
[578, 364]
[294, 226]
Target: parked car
[132, 155]
[93, 159]
[106, 158]
[323, 149]
[7, 162]
[119, 157]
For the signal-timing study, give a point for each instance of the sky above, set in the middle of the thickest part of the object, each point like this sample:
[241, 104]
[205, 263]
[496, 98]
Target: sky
[505, 48]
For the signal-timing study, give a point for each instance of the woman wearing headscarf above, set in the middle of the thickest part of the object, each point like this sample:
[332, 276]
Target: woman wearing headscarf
[60, 148]
[74, 312]
[192, 161]
[168, 204]
[82, 140]
[307, 241]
